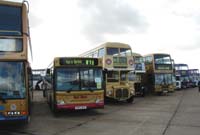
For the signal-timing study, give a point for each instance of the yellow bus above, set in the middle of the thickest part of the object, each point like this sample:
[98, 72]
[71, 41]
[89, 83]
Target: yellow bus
[139, 72]
[159, 73]
[117, 64]
[15, 71]
[76, 84]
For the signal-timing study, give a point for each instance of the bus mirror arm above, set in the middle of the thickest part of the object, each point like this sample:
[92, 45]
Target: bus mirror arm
[2, 99]
[105, 70]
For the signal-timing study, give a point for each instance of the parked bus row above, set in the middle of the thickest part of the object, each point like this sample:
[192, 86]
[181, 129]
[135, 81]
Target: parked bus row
[110, 71]
[185, 77]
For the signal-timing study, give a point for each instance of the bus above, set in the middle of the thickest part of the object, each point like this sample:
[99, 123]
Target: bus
[139, 68]
[194, 77]
[15, 70]
[117, 64]
[175, 82]
[182, 70]
[76, 84]
[159, 73]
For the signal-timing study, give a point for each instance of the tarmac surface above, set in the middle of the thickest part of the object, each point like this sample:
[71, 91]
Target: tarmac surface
[177, 113]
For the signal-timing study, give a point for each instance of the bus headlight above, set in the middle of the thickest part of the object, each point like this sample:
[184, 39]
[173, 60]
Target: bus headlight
[97, 100]
[60, 102]
[109, 92]
[132, 92]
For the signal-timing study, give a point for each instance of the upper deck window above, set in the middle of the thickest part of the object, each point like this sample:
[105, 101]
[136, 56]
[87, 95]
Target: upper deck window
[112, 51]
[148, 59]
[10, 21]
[125, 51]
[162, 59]
[139, 60]
[11, 45]
[181, 67]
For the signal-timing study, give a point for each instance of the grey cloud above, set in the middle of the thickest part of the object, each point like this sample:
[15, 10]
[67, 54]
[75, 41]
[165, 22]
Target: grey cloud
[189, 47]
[101, 17]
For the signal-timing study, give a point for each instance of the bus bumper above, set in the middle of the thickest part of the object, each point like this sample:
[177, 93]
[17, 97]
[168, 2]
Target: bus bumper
[3, 118]
[81, 106]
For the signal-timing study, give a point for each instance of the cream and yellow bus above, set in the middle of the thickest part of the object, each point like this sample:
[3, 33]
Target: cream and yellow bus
[117, 64]
[139, 72]
[76, 84]
[15, 71]
[159, 73]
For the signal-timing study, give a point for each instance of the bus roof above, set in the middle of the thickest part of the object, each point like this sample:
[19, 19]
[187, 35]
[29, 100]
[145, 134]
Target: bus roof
[156, 54]
[181, 64]
[136, 54]
[11, 3]
[108, 44]
[193, 69]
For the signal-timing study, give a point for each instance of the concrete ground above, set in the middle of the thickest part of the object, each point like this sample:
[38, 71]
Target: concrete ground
[173, 114]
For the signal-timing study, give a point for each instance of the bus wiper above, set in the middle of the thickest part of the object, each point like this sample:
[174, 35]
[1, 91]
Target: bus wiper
[69, 90]
[2, 99]
[91, 90]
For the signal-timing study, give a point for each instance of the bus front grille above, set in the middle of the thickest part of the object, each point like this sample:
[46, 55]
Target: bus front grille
[122, 93]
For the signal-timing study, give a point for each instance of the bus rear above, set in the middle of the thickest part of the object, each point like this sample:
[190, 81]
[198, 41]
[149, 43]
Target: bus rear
[77, 84]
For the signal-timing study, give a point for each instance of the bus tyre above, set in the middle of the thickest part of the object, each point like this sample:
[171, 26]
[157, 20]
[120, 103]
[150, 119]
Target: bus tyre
[143, 93]
[44, 93]
[27, 120]
[130, 100]
[53, 107]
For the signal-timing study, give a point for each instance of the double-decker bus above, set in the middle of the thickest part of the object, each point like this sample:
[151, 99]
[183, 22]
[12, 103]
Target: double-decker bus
[15, 71]
[117, 64]
[182, 71]
[139, 72]
[77, 83]
[159, 73]
[194, 77]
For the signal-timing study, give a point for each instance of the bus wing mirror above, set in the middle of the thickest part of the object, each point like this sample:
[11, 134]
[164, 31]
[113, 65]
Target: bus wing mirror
[29, 71]
[48, 71]
[105, 70]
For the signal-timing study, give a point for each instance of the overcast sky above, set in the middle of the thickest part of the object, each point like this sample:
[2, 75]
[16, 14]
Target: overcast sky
[70, 27]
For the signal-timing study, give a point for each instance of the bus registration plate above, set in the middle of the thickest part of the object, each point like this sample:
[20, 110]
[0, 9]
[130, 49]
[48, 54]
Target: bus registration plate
[80, 107]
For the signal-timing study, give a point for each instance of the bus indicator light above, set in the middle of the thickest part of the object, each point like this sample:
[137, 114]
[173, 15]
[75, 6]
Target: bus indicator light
[130, 62]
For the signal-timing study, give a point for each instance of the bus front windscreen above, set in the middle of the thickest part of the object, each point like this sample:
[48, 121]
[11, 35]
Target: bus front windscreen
[76, 79]
[12, 80]
[113, 76]
[163, 79]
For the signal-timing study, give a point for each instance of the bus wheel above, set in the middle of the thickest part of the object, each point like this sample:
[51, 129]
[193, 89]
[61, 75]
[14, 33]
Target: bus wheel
[143, 93]
[44, 93]
[130, 100]
[27, 120]
[53, 107]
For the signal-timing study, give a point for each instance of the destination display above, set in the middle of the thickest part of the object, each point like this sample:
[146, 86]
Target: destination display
[79, 61]
[163, 67]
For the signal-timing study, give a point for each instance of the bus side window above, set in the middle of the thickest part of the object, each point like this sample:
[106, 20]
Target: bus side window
[101, 52]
